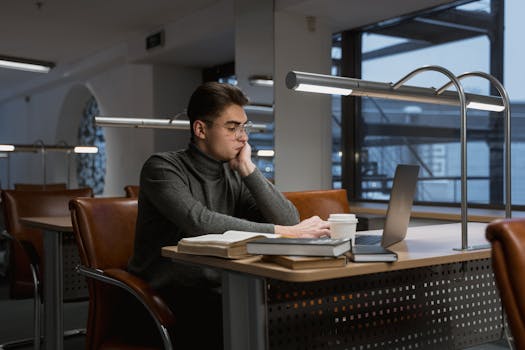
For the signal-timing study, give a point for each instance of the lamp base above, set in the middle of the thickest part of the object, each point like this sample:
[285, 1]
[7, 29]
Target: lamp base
[474, 247]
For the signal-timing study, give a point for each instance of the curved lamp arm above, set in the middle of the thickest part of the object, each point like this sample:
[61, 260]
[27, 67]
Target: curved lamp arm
[463, 138]
[507, 136]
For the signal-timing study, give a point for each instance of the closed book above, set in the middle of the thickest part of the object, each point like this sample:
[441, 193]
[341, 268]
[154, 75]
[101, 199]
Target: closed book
[371, 253]
[305, 262]
[299, 246]
[230, 244]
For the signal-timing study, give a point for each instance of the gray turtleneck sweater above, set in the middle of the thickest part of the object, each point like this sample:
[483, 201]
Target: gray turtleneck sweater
[187, 193]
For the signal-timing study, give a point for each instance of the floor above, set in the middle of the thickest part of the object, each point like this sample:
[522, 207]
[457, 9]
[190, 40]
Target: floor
[16, 320]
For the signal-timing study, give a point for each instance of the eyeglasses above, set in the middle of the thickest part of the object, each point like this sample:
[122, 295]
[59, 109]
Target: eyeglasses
[235, 128]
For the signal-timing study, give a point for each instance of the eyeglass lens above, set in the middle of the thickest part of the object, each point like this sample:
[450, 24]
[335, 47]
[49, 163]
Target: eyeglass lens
[247, 127]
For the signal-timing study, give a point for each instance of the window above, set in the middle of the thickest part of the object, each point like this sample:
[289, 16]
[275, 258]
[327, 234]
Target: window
[377, 134]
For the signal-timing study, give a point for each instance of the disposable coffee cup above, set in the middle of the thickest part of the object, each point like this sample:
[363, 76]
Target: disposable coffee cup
[343, 226]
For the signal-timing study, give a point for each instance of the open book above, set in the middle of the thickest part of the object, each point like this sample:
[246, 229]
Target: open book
[230, 244]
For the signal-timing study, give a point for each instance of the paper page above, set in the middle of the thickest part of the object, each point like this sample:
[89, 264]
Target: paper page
[227, 237]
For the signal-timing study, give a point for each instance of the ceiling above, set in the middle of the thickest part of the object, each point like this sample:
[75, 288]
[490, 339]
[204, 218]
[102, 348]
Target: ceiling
[69, 32]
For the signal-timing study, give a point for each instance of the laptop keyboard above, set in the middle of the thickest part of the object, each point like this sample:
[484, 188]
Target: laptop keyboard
[367, 239]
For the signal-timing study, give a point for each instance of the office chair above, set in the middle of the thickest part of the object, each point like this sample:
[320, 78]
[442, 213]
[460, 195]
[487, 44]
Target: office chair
[132, 191]
[321, 203]
[26, 246]
[507, 238]
[124, 312]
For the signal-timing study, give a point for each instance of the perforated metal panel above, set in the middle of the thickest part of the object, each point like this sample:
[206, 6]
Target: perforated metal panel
[450, 306]
[75, 286]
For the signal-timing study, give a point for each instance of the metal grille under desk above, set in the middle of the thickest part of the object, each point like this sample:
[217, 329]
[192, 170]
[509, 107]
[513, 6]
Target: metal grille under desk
[75, 286]
[450, 306]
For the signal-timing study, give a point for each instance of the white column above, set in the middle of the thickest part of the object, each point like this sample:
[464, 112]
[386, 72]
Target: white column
[303, 139]
[254, 47]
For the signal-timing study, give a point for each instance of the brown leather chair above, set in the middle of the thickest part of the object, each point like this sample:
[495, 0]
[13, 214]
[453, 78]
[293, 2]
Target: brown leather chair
[321, 203]
[507, 238]
[26, 244]
[40, 187]
[124, 312]
[132, 191]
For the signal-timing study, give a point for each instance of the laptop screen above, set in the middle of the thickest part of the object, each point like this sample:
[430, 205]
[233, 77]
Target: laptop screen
[400, 204]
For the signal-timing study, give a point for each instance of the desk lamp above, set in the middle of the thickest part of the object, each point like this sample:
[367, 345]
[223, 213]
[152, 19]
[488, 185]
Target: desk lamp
[319, 83]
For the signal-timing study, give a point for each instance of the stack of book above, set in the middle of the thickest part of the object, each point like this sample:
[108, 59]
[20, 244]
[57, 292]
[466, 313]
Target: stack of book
[294, 253]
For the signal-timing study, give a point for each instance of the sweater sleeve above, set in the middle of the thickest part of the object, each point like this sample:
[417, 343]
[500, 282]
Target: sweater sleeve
[167, 188]
[261, 196]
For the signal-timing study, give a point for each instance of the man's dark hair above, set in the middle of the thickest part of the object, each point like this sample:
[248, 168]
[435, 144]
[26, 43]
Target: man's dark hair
[210, 99]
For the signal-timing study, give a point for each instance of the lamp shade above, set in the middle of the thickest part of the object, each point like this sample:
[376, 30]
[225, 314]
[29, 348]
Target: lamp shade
[321, 83]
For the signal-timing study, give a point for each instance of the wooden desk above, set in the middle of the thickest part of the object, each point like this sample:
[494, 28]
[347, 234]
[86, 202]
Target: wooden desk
[53, 227]
[432, 297]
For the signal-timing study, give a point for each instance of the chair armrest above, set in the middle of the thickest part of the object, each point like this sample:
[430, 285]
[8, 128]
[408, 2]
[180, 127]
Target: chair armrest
[147, 294]
[34, 261]
[27, 246]
[158, 309]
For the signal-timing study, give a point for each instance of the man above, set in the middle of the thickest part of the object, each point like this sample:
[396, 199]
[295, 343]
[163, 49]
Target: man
[211, 187]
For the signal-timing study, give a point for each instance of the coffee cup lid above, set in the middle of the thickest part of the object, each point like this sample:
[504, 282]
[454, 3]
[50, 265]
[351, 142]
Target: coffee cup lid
[343, 220]
[342, 216]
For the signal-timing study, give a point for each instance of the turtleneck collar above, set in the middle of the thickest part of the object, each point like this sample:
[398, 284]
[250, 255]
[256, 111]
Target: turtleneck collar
[203, 163]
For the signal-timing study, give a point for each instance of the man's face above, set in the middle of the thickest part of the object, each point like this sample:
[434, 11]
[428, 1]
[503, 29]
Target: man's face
[223, 139]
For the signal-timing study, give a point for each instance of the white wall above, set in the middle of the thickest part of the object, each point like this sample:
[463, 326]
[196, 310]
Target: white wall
[302, 120]
[126, 90]
[173, 86]
[24, 120]
[254, 47]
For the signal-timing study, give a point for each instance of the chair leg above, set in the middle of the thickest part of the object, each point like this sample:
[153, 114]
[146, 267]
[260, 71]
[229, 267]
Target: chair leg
[16, 343]
[508, 334]
[37, 305]
[37, 302]
[510, 340]
[37, 318]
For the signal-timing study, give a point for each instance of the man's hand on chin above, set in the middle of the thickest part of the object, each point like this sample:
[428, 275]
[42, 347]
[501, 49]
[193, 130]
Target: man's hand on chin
[242, 163]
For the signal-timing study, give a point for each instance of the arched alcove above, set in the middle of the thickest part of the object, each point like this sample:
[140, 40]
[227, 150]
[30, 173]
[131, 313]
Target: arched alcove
[76, 126]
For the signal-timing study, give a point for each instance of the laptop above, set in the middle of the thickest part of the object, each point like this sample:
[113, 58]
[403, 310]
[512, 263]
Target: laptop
[399, 208]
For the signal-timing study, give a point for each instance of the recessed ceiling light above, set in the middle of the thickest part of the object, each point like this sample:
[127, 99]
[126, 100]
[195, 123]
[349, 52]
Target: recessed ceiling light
[25, 64]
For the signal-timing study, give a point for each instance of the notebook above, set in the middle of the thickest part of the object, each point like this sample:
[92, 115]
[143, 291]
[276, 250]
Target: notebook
[399, 208]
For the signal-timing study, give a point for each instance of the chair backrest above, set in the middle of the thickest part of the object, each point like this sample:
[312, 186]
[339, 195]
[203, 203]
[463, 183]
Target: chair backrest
[105, 230]
[132, 191]
[321, 203]
[507, 238]
[40, 187]
[17, 204]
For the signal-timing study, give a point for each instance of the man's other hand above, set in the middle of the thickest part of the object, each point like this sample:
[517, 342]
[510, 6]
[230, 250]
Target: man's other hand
[313, 227]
